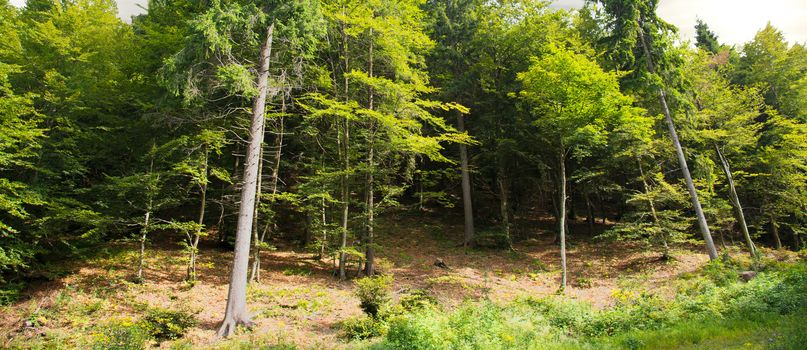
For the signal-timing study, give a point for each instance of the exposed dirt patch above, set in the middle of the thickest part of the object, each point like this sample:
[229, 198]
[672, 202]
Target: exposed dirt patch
[300, 301]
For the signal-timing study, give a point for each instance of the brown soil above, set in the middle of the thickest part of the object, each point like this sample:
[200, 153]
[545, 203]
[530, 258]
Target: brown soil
[299, 301]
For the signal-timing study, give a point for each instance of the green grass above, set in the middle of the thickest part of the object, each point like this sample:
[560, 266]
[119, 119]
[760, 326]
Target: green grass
[710, 312]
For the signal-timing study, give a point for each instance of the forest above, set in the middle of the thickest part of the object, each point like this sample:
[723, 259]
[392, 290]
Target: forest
[397, 174]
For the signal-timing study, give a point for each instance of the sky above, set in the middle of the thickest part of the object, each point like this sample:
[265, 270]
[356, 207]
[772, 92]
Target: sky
[734, 21]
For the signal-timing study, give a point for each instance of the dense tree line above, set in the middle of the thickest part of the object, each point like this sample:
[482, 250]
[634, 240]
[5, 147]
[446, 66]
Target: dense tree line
[242, 122]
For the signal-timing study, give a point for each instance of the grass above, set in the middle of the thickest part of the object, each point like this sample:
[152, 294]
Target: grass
[297, 307]
[714, 313]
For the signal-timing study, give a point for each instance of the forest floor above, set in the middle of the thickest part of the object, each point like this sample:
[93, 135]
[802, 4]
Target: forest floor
[299, 301]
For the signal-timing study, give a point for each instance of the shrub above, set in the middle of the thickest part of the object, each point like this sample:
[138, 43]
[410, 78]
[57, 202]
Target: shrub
[721, 271]
[374, 293]
[10, 292]
[165, 324]
[417, 300]
[120, 335]
[360, 328]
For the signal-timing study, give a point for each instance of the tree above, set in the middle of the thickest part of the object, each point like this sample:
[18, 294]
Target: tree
[195, 164]
[453, 23]
[705, 39]
[767, 63]
[575, 105]
[376, 103]
[636, 36]
[20, 139]
[724, 121]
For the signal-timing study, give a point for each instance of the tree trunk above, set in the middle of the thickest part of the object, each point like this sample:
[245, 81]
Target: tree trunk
[665, 253]
[256, 242]
[693, 194]
[370, 251]
[194, 243]
[346, 167]
[236, 311]
[467, 201]
[369, 265]
[142, 257]
[589, 213]
[775, 232]
[503, 208]
[272, 189]
[735, 202]
[562, 219]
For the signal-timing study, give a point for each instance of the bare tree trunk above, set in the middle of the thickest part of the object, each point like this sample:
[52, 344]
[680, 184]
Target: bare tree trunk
[503, 206]
[775, 232]
[467, 201]
[562, 218]
[194, 242]
[693, 194]
[589, 213]
[236, 311]
[369, 269]
[735, 202]
[324, 229]
[146, 222]
[346, 162]
[256, 242]
[369, 265]
[665, 253]
[272, 190]
[143, 234]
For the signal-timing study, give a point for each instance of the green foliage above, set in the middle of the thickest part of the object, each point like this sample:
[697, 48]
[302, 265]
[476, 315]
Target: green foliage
[374, 293]
[363, 327]
[166, 324]
[10, 292]
[705, 39]
[120, 335]
[535, 323]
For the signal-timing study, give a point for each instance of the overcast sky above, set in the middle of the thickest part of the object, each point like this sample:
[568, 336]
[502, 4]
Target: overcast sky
[734, 21]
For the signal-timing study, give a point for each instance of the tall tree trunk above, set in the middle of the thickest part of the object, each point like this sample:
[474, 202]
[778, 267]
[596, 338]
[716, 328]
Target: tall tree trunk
[256, 243]
[346, 167]
[369, 267]
[369, 254]
[467, 201]
[194, 241]
[735, 202]
[256, 262]
[589, 213]
[324, 224]
[775, 232]
[693, 194]
[143, 234]
[562, 218]
[501, 178]
[665, 253]
[146, 222]
[236, 311]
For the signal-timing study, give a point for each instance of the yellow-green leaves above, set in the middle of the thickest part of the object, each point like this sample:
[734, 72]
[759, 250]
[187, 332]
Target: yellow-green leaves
[574, 102]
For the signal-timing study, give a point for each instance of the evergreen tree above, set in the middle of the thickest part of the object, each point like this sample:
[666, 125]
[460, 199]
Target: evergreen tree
[705, 39]
[637, 41]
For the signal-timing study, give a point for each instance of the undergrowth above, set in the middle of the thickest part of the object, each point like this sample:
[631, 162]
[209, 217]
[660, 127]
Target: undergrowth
[712, 309]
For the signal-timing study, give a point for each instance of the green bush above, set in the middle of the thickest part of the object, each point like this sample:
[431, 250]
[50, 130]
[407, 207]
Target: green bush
[165, 324]
[10, 292]
[120, 335]
[359, 328]
[635, 321]
[374, 293]
[417, 300]
[721, 271]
